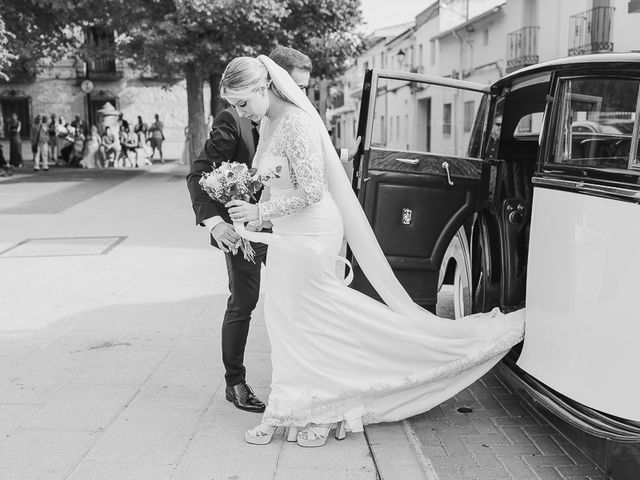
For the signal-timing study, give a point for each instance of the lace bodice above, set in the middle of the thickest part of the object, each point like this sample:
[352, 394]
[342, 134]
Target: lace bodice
[292, 167]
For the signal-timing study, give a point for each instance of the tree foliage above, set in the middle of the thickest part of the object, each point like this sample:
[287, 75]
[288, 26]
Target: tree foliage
[190, 38]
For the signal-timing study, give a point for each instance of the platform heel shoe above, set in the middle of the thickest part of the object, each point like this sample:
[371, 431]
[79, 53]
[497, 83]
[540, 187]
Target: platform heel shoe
[292, 434]
[260, 435]
[316, 435]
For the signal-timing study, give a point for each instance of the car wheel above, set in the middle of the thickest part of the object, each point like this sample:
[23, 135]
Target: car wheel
[455, 279]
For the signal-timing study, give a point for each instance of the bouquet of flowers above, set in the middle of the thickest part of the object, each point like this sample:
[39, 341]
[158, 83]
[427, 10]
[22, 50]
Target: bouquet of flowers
[233, 181]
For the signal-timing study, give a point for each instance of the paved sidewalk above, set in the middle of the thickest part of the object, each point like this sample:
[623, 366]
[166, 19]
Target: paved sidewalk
[110, 369]
[110, 308]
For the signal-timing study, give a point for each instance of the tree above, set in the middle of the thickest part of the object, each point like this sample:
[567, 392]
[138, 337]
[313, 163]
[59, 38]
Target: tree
[6, 57]
[193, 39]
[32, 37]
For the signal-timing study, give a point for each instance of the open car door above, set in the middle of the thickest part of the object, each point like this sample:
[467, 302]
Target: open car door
[419, 177]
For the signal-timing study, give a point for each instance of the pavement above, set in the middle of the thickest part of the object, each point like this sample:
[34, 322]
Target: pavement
[111, 303]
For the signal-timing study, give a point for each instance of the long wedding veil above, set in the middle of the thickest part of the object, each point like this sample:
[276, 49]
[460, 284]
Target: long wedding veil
[358, 232]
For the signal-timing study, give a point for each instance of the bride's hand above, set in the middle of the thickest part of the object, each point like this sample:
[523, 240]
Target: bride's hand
[241, 211]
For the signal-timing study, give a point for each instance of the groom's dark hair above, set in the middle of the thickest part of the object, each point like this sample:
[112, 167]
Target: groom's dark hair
[290, 58]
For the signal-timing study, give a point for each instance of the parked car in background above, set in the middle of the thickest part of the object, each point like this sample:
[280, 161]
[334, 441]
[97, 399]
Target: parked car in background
[524, 192]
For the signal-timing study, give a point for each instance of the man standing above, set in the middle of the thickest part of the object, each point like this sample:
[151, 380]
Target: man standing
[232, 139]
[156, 137]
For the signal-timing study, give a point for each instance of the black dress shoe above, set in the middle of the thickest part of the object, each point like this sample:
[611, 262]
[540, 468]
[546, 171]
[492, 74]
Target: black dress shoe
[243, 398]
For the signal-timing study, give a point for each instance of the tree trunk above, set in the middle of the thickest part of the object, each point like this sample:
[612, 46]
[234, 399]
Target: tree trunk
[217, 105]
[195, 109]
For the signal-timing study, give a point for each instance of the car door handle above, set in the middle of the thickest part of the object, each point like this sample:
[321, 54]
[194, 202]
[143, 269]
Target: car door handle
[410, 161]
[445, 165]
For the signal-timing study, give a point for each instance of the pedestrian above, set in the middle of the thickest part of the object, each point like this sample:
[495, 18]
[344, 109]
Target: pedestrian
[77, 153]
[15, 142]
[130, 146]
[338, 356]
[156, 137]
[53, 139]
[7, 169]
[61, 140]
[42, 145]
[140, 126]
[91, 149]
[142, 152]
[185, 158]
[110, 147]
[33, 136]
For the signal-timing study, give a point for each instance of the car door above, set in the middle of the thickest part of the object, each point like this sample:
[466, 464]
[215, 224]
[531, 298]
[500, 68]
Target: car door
[419, 178]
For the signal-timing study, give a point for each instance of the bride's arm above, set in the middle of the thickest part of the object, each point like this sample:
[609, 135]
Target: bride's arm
[301, 145]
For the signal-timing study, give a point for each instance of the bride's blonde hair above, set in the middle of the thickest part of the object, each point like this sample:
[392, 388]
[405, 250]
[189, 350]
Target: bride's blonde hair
[243, 76]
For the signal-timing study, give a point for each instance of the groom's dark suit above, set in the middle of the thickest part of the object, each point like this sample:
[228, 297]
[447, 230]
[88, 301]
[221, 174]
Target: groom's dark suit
[234, 139]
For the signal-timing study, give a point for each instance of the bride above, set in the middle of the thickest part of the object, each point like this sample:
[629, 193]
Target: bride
[339, 358]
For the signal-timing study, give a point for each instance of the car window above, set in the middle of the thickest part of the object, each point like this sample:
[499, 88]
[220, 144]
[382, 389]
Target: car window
[595, 122]
[442, 123]
[529, 125]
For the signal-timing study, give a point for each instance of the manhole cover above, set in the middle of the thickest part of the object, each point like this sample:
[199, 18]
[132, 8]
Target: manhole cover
[58, 247]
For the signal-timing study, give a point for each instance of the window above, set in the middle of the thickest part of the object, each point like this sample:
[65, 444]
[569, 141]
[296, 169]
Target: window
[432, 60]
[420, 58]
[485, 37]
[381, 59]
[469, 114]
[434, 125]
[596, 118]
[446, 119]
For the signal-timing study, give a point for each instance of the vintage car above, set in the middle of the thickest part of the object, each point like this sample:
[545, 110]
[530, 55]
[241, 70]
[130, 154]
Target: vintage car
[523, 193]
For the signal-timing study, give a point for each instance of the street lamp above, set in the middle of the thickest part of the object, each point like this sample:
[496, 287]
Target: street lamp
[401, 55]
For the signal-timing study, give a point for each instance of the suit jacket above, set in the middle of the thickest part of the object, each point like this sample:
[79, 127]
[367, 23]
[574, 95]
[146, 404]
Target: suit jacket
[231, 139]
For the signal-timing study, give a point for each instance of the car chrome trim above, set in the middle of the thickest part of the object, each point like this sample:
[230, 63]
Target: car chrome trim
[585, 187]
[410, 161]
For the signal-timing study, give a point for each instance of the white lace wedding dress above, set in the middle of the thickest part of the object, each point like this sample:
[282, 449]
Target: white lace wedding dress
[336, 353]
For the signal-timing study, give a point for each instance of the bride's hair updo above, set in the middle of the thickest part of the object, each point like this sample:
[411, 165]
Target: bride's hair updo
[243, 76]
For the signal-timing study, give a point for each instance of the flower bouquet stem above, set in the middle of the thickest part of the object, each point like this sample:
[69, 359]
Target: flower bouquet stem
[245, 245]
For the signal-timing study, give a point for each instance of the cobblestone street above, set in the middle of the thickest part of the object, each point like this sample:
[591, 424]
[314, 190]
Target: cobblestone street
[109, 352]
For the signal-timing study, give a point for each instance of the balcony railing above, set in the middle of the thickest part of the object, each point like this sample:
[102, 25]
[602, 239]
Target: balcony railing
[522, 48]
[590, 31]
[103, 68]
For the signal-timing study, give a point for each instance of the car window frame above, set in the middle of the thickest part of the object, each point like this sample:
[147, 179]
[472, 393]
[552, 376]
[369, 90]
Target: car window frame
[552, 130]
[420, 78]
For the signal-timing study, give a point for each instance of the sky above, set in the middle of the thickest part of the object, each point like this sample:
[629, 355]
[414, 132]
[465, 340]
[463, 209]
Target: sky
[385, 13]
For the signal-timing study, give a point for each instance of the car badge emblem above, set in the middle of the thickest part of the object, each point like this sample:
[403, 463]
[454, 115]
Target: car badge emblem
[406, 216]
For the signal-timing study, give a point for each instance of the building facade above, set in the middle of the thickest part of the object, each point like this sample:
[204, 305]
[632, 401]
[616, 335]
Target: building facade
[479, 41]
[73, 87]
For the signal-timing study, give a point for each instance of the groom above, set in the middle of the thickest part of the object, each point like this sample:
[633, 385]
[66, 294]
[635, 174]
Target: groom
[231, 139]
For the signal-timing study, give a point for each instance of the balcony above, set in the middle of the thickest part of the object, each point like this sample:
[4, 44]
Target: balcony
[106, 68]
[590, 31]
[522, 48]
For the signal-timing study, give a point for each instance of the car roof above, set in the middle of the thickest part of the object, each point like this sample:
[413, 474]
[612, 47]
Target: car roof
[598, 60]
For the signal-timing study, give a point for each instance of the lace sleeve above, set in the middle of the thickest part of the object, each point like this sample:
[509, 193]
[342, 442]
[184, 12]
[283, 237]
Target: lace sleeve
[301, 145]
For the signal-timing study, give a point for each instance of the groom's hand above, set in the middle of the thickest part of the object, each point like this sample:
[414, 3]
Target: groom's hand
[225, 236]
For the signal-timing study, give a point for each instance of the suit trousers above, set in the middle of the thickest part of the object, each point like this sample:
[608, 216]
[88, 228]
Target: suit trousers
[244, 286]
